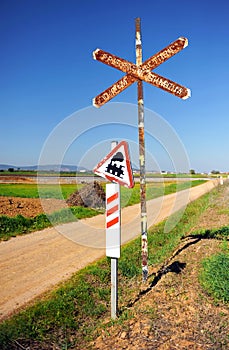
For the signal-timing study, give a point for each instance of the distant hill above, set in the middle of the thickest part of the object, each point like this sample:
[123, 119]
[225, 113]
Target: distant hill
[6, 166]
[48, 167]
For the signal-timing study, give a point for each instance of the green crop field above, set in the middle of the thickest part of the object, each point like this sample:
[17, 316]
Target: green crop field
[33, 191]
[132, 196]
[13, 226]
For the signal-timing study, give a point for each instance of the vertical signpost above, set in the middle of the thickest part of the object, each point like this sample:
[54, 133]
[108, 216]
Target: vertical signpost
[141, 138]
[113, 237]
[139, 72]
[115, 167]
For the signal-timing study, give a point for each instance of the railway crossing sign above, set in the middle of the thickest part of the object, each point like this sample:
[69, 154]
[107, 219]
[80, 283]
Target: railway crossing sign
[142, 72]
[116, 166]
[139, 72]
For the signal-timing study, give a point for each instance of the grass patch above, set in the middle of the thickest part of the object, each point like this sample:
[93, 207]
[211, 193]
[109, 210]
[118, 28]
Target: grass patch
[11, 227]
[221, 233]
[154, 190]
[70, 314]
[74, 313]
[31, 190]
[130, 196]
[224, 211]
[214, 276]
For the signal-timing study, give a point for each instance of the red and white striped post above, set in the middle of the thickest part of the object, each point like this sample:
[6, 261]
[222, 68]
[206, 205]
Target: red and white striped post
[113, 234]
[113, 237]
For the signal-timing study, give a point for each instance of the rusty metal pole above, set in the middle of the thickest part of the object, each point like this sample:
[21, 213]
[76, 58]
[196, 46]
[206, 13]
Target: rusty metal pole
[141, 136]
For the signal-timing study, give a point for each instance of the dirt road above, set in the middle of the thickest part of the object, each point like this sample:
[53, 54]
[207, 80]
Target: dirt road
[34, 263]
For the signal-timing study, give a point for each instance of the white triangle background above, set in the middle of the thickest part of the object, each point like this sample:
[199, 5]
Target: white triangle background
[125, 177]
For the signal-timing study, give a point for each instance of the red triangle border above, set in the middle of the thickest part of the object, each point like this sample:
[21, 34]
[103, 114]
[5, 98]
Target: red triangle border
[128, 164]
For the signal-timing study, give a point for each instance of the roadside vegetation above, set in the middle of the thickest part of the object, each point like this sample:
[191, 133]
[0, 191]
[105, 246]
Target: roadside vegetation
[214, 276]
[12, 227]
[78, 310]
[154, 190]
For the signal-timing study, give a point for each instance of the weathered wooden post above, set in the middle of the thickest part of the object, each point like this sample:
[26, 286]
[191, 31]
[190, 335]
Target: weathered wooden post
[141, 138]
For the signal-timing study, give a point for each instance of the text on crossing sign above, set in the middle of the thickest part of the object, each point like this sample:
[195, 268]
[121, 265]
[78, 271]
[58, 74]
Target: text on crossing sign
[142, 72]
[116, 166]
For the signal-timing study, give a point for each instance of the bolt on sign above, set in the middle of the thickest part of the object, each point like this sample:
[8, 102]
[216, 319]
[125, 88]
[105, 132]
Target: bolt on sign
[142, 72]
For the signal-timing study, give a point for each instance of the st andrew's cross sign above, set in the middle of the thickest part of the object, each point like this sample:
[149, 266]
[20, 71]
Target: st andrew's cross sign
[142, 72]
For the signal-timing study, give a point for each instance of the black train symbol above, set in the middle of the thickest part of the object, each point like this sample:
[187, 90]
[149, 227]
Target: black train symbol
[112, 167]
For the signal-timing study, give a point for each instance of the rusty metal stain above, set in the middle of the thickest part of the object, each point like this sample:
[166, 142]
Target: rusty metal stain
[151, 63]
[141, 138]
[141, 134]
[113, 90]
[167, 85]
[113, 61]
[163, 55]
[141, 72]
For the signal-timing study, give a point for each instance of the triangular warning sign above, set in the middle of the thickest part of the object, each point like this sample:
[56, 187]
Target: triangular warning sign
[116, 166]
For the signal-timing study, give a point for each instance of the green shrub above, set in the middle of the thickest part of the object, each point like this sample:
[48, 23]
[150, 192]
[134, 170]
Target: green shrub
[13, 226]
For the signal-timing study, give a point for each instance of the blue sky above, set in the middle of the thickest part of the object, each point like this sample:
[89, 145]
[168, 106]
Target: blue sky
[48, 73]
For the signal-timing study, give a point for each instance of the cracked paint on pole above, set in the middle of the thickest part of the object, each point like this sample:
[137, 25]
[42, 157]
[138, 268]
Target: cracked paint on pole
[141, 136]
